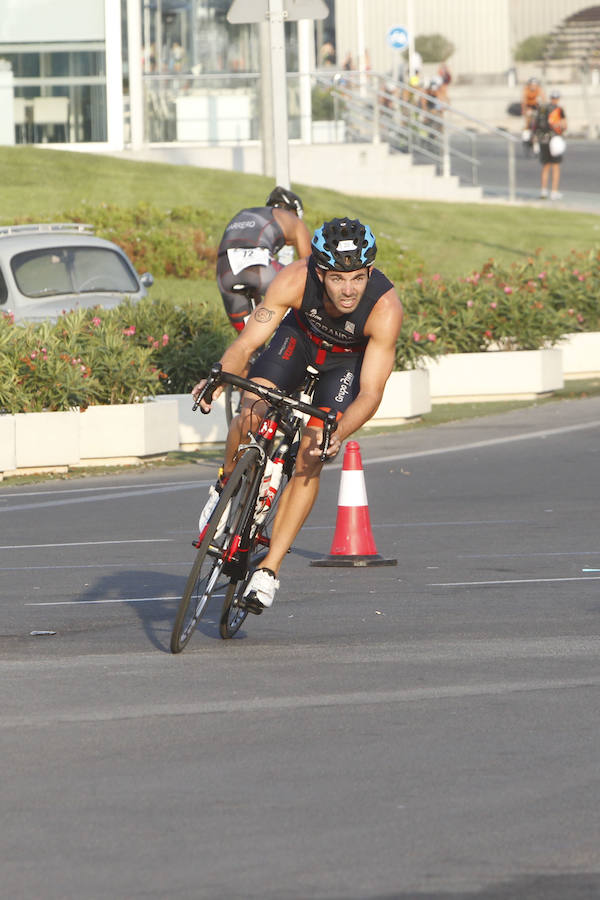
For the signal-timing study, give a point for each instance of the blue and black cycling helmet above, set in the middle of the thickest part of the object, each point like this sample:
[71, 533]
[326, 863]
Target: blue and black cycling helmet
[285, 199]
[343, 245]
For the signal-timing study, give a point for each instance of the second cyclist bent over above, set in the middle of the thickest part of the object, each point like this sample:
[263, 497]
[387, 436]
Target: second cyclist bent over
[247, 254]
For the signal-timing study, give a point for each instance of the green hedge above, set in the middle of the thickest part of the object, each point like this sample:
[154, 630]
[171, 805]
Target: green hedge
[155, 346]
[522, 307]
[108, 356]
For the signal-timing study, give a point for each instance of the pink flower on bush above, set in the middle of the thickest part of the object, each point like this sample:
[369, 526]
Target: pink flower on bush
[542, 275]
[416, 336]
[469, 304]
[96, 321]
[489, 275]
[432, 337]
[493, 305]
[419, 280]
[436, 277]
[580, 278]
[129, 331]
[580, 318]
[508, 289]
[165, 340]
[575, 271]
[33, 355]
[488, 334]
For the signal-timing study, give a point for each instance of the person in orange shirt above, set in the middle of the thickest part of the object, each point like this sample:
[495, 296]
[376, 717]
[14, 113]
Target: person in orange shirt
[533, 95]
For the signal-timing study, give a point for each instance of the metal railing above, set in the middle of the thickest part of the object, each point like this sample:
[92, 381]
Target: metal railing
[220, 109]
[409, 120]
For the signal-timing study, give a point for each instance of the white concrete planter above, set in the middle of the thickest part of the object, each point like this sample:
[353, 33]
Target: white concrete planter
[495, 375]
[406, 396]
[46, 439]
[8, 443]
[128, 430]
[196, 429]
[581, 354]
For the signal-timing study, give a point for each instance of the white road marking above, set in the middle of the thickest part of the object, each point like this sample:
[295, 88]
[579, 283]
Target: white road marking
[123, 494]
[217, 595]
[529, 555]
[87, 543]
[117, 565]
[467, 524]
[111, 600]
[477, 445]
[82, 490]
[511, 581]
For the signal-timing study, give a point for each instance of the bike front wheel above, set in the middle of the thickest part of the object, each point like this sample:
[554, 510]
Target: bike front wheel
[207, 577]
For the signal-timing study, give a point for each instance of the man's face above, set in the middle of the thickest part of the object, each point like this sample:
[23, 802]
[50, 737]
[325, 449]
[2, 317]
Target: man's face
[345, 289]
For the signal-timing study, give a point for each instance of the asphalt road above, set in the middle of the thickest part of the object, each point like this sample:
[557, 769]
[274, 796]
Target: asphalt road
[422, 731]
[580, 184]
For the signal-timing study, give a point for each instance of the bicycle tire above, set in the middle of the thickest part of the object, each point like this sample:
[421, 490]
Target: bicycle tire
[233, 616]
[206, 574]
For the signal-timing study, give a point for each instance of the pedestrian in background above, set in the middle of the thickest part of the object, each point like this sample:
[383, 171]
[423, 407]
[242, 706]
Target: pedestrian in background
[549, 126]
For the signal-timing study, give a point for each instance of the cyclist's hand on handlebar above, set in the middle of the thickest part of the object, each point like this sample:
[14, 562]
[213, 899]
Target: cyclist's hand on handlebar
[333, 449]
[197, 389]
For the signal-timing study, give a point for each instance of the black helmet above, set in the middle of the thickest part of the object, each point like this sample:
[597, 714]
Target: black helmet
[344, 245]
[286, 199]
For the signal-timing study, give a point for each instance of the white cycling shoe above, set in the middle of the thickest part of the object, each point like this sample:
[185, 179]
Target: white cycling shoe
[260, 591]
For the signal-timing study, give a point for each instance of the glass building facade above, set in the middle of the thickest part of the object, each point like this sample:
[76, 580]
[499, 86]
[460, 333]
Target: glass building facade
[69, 71]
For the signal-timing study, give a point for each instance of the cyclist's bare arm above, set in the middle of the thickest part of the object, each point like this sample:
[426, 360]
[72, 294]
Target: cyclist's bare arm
[294, 230]
[382, 328]
[284, 291]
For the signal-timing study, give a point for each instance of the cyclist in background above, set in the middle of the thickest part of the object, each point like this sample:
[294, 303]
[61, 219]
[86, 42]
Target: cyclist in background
[334, 311]
[247, 251]
[533, 95]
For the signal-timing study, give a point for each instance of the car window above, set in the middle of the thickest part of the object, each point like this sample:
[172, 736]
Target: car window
[3, 289]
[71, 270]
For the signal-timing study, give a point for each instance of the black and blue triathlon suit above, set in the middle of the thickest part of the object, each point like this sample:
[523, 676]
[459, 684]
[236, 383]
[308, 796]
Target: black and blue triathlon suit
[334, 346]
[250, 230]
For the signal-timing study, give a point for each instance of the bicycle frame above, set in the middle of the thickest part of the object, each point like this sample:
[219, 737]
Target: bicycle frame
[281, 418]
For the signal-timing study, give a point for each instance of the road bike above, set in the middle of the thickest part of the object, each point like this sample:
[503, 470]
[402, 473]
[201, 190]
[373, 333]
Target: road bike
[236, 537]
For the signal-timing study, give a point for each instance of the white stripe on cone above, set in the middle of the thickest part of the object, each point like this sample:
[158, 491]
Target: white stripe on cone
[353, 491]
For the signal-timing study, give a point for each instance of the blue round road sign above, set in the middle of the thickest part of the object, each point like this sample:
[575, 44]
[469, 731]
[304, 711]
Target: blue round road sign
[398, 37]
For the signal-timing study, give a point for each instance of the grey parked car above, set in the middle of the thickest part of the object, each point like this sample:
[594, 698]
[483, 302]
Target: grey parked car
[45, 269]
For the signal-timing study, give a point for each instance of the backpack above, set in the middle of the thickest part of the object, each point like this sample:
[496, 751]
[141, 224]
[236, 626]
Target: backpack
[542, 119]
[554, 119]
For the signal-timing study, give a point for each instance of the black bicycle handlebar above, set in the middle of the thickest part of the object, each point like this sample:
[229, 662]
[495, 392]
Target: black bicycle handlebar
[272, 395]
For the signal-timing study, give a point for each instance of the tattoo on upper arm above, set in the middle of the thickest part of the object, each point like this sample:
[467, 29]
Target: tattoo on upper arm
[263, 315]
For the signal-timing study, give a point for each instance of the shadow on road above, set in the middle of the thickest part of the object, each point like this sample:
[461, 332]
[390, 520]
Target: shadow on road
[154, 599]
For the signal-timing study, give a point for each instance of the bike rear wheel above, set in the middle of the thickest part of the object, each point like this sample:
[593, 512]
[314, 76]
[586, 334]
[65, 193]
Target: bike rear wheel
[207, 577]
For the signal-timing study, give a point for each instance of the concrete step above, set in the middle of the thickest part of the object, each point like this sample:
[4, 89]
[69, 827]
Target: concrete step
[367, 170]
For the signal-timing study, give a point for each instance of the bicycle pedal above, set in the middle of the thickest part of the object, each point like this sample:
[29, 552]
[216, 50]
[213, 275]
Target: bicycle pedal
[251, 604]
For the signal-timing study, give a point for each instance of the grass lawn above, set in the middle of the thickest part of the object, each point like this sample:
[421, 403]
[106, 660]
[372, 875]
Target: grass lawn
[450, 238]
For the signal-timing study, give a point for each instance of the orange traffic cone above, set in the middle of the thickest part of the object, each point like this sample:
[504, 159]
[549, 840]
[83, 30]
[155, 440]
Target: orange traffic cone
[353, 543]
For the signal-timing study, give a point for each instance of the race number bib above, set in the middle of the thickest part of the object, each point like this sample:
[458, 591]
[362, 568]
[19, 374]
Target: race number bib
[242, 257]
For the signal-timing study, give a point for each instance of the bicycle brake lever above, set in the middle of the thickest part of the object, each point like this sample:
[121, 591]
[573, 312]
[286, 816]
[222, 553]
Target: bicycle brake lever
[213, 381]
[329, 426]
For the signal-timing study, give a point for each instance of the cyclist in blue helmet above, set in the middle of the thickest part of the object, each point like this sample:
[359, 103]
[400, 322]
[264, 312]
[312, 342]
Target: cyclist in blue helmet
[335, 311]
